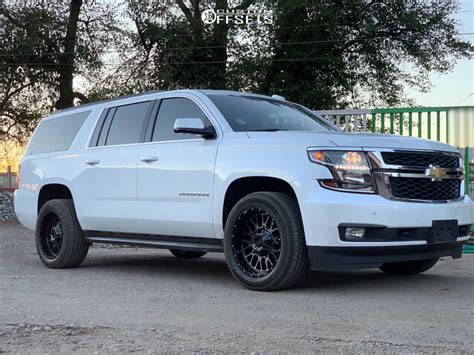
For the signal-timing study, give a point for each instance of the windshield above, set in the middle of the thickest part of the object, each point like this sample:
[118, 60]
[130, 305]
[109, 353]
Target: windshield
[251, 113]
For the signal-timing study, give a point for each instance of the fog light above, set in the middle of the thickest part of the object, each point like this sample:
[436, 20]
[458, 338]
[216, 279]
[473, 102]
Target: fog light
[355, 233]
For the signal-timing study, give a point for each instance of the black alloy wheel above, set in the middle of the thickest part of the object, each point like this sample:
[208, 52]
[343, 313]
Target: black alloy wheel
[256, 243]
[264, 241]
[51, 236]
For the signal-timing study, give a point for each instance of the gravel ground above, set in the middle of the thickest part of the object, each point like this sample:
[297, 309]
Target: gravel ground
[145, 300]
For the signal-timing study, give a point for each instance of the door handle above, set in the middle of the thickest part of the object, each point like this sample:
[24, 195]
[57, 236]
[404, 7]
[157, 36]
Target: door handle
[149, 159]
[92, 162]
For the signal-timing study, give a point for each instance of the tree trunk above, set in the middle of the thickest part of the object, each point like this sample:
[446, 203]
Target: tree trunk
[66, 62]
[220, 54]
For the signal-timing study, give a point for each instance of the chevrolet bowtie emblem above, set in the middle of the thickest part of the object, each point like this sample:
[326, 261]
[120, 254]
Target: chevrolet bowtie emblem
[435, 172]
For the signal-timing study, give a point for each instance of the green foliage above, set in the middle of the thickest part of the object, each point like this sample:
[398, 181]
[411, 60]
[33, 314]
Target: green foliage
[31, 49]
[354, 50]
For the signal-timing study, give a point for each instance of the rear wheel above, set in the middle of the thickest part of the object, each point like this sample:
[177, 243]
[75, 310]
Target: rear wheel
[59, 238]
[408, 267]
[264, 241]
[186, 254]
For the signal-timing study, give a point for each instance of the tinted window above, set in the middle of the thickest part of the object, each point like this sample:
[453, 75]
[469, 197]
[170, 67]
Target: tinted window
[98, 129]
[127, 124]
[57, 134]
[170, 110]
[251, 113]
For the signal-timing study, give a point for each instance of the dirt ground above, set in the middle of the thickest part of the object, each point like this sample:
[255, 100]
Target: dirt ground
[146, 301]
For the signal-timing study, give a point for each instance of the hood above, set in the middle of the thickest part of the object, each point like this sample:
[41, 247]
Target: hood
[360, 140]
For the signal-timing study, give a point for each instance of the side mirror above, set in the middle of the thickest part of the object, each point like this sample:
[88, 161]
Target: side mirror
[194, 126]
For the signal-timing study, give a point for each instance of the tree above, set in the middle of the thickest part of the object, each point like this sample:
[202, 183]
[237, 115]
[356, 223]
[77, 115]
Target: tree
[66, 59]
[324, 54]
[43, 47]
[342, 53]
[175, 49]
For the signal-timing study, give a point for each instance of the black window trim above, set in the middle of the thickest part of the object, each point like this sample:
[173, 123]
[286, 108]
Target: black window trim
[150, 127]
[102, 128]
[104, 132]
[98, 128]
[154, 117]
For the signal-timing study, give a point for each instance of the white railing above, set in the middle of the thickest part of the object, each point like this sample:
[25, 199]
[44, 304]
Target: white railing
[352, 120]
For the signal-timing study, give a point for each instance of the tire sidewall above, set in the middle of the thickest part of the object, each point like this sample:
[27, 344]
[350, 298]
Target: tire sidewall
[55, 207]
[281, 217]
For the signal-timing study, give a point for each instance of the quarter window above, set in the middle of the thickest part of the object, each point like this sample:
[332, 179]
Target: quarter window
[127, 124]
[170, 110]
[57, 134]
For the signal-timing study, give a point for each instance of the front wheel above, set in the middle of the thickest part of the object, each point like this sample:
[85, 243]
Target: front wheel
[264, 241]
[408, 267]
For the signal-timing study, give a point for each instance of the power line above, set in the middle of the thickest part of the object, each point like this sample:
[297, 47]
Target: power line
[302, 59]
[199, 47]
[186, 48]
[465, 99]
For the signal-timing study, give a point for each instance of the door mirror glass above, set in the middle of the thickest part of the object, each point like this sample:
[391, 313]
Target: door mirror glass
[194, 126]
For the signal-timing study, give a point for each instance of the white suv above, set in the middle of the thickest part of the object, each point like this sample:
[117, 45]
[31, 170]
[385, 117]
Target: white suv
[274, 186]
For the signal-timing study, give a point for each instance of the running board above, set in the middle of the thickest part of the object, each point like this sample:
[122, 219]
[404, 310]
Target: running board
[156, 241]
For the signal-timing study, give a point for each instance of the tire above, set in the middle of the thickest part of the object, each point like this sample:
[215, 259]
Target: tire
[59, 240]
[408, 267]
[273, 256]
[186, 254]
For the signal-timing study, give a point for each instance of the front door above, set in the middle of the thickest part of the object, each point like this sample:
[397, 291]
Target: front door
[175, 175]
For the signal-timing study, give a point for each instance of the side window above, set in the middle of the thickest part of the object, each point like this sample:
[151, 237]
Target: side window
[57, 134]
[170, 110]
[124, 124]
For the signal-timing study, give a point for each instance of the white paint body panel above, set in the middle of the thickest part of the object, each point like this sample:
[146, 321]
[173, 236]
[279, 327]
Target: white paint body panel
[125, 194]
[106, 192]
[174, 193]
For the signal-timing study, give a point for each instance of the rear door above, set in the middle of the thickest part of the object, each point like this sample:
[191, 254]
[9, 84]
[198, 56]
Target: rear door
[108, 179]
[175, 173]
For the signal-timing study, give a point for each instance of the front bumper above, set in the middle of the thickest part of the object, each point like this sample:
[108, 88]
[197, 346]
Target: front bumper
[343, 258]
[323, 211]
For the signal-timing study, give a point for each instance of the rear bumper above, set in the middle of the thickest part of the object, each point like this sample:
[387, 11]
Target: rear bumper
[343, 258]
[25, 203]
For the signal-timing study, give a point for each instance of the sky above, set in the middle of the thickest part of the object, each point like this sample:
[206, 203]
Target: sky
[457, 87]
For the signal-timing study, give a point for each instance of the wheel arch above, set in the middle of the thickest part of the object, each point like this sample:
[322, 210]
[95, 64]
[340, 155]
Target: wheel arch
[243, 186]
[53, 191]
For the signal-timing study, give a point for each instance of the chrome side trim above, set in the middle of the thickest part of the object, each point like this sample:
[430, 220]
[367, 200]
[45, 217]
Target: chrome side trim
[452, 174]
[321, 183]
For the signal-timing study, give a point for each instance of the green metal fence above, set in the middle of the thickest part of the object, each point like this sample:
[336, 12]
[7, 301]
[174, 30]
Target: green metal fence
[467, 169]
[453, 124]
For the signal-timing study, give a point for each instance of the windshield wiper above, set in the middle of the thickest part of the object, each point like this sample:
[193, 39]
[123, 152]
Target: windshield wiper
[267, 130]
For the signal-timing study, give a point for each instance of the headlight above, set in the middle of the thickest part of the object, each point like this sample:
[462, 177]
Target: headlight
[350, 169]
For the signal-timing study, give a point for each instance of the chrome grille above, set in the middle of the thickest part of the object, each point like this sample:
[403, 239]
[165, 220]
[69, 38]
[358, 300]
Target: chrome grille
[421, 159]
[421, 176]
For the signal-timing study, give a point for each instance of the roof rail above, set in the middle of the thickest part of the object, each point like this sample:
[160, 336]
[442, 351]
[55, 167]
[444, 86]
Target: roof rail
[107, 100]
